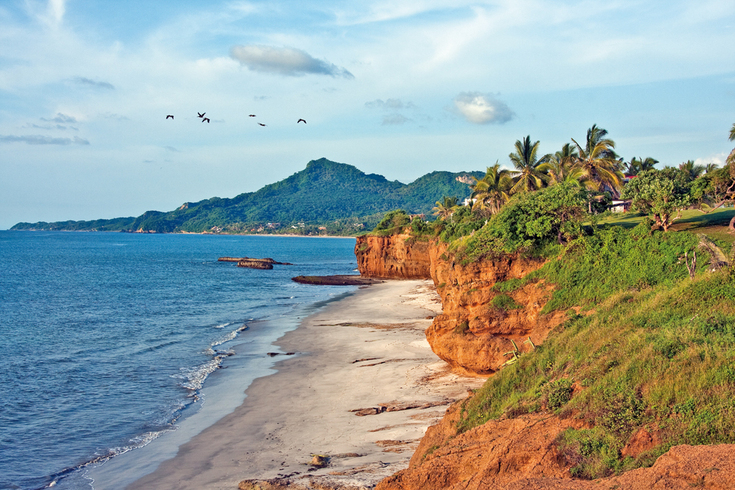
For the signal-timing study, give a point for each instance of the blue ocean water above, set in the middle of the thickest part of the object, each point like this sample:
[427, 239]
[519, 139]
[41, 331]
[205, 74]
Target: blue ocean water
[107, 339]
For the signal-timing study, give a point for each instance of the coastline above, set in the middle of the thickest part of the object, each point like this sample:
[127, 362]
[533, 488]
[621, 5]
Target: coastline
[357, 353]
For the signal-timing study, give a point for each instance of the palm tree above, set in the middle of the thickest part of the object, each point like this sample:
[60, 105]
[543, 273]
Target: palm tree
[691, 170]
[598, 161]
[491, 192]
[638, 165]
[527, 176]
[562, 166]
[731, 156]
[446, 208]
[732, 133]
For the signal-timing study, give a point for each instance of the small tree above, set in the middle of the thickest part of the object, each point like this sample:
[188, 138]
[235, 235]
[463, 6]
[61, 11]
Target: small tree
[445, 208]
[492, 191]
[531, 219]
[661, 194]
[718, 185]
[393, 222]
[638, 165]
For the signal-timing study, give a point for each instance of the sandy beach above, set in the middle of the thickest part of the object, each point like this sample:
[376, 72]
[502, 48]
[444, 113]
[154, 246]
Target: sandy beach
[360, 388]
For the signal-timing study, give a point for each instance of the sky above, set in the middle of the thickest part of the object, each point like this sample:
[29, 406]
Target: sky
[397, 88]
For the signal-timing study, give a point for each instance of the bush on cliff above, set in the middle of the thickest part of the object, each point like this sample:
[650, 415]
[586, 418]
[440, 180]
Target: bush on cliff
[462, 223]
[654, 356]
[397, 222]
[529, 222]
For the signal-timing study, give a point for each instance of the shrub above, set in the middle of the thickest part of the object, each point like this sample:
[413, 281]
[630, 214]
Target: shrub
[504, 302]
[529, 221]
[558, 393]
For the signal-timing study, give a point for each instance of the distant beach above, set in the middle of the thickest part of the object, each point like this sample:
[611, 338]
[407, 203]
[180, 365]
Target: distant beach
[360, 388]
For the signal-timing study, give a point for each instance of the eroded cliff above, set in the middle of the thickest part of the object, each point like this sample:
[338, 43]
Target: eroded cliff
[480, 326]
[521, 453]
[393, 257]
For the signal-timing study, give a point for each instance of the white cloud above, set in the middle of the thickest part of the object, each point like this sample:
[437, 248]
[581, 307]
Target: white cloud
[718, 158]
[38, 139]
[395, 119]
[481, 108]
[56, 10]
[285, 61]
[392, 104]
[61, 118]
[91, 83]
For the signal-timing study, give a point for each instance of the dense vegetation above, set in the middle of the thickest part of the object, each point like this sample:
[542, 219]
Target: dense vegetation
[325, 198]
[645, 347]
[551, 187]
[650, 336]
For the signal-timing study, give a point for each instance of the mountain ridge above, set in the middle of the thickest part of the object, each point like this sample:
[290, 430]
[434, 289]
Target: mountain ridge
[326, 196]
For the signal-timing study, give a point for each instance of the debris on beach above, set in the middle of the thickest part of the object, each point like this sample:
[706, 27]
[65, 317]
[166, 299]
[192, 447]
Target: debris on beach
[396, 406]
[319, 460]
[252, 263]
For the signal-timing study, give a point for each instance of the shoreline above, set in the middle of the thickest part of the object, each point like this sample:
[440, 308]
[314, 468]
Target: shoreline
[365, 352]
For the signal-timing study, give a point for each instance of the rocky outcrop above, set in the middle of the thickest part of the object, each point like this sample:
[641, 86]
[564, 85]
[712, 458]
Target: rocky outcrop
[520, 453]
[481, 326]
[393, 257]
[338, 280]
[489, 456]
[251, 263]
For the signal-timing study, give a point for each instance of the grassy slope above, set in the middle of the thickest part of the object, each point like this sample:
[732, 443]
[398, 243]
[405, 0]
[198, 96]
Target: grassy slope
[645, 346]
[711, 224]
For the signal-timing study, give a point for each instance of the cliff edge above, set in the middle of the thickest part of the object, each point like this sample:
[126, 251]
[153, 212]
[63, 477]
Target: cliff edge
[481, 327]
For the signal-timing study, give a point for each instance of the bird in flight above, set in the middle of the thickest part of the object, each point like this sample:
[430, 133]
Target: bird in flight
[170, 116]
[201, 114]
[301, 120]
[252, 115]
[261, 124]
[205, 119]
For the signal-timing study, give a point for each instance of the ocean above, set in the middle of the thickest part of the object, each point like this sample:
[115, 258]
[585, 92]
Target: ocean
[110, 342]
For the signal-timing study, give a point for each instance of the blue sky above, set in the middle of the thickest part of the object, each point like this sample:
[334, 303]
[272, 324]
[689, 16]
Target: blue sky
[399, 88]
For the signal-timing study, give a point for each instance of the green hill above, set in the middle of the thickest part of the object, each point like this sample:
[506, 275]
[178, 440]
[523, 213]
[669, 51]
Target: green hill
[333, 195]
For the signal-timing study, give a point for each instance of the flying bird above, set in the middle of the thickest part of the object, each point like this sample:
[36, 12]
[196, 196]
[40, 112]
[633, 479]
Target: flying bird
[301, 120]
[205, 119]
[252, 115]
[261, 124]
[171, 116]
[201, 114]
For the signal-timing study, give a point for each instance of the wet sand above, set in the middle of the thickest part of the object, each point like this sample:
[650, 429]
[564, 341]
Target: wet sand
[361, 388]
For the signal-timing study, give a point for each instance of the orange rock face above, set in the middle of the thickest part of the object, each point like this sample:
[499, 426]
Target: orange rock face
[478, 325]
[489, 456]
[474, 333]
[393, 257]
[520, 454]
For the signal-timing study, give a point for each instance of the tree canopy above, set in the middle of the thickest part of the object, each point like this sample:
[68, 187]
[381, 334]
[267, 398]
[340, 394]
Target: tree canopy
[660, 194]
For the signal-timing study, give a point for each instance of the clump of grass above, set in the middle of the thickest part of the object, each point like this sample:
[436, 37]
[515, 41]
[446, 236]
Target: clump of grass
[510, 285]
[558, 393]
[503, 302]
[462, 328]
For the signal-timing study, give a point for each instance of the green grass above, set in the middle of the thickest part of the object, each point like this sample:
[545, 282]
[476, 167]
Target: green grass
[656, 352]
[713, 224]
[610, 260]
[504, 302]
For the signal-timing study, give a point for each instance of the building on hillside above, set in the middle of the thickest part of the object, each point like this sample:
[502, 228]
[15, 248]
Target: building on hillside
[620, 206]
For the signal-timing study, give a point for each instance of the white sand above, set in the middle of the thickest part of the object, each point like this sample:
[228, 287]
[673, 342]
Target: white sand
[359, 352]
